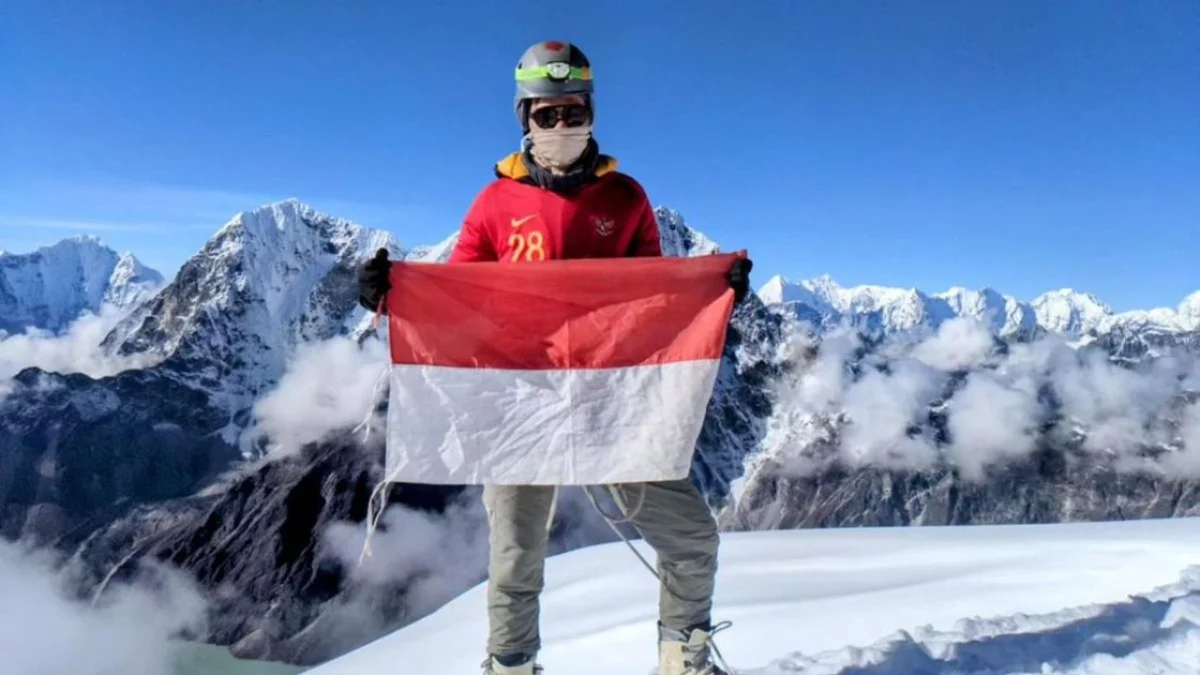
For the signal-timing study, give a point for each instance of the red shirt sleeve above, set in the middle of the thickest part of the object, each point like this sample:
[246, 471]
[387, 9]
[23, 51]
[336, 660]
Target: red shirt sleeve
[474, 237]
[645, 239]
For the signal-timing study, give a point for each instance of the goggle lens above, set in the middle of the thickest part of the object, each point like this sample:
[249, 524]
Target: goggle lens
[574, 114]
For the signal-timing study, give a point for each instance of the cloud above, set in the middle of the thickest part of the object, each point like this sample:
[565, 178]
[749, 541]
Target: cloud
[329, 386]
[876, 410]
[958, 344]
[76, 350]
[882, 407]
[433, 556]
[131, 630]
[1186, 462]
[990, 420]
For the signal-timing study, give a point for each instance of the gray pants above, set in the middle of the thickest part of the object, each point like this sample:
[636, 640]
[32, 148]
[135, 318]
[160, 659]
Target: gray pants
[673, 519]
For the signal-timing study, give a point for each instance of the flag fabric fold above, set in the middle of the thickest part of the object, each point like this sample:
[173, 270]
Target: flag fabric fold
[564, 372]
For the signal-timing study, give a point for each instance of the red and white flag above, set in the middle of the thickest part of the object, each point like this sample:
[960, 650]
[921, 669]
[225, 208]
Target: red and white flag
[565, 372]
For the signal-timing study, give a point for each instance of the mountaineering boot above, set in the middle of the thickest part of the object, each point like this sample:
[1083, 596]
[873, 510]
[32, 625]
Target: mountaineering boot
[688, 651]
[517, 664]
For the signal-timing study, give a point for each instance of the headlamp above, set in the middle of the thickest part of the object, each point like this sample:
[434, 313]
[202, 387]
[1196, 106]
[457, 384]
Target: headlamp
[558, 70]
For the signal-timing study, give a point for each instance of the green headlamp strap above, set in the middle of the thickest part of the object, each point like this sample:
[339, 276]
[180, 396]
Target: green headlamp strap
[553, 71]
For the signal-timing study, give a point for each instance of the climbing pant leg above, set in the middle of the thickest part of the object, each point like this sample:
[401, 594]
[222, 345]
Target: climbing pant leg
[677, 523]
[517, 516]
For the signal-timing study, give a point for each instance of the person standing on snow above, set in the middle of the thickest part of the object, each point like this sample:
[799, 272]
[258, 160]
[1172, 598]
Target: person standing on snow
[561, 198]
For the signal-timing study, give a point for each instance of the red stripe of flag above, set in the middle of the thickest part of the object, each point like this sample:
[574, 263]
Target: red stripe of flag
[588, 313]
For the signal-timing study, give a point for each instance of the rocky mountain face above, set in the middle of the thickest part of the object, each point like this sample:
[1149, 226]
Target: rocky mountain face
[49, 288]
[258, 536]
[268, 280]
[805, 429]
[201, 350]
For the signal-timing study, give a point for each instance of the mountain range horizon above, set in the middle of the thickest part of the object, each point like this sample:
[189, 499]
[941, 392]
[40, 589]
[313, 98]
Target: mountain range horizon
[1065, 309]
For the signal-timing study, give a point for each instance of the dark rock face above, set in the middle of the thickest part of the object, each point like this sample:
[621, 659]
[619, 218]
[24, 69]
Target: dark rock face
[734, 425]
[257, 546]
[278, 588]
[75, 452]
[1047, 489]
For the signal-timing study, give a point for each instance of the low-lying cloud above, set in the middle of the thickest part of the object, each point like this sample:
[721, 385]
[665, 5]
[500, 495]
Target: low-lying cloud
[996, 403]
[131, 630]
[75, 350]
[412, 548]
[331, 385]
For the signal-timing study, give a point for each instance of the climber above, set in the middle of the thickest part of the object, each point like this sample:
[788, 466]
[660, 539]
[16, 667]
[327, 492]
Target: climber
[559, 198]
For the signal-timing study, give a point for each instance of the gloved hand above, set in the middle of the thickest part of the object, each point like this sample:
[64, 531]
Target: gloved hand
[739, 278]
[373, 282]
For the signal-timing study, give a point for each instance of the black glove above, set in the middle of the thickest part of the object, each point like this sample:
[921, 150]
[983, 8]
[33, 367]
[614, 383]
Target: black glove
[739, 278]
[373, 282]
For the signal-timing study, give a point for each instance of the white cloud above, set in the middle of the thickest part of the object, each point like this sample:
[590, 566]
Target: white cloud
[44, 628]
[882, 408]
[433, 556]
[991, 420]
[824, 413]
[76, 350]
[330, 385]
[1186, 461]
[958, 344]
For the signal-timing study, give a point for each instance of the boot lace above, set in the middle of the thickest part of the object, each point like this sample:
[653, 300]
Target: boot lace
[703, 659]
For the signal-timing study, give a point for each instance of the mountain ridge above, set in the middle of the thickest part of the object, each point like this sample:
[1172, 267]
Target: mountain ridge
[1065, 311]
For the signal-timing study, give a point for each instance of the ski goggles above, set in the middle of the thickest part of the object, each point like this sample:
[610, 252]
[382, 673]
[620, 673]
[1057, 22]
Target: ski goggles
[554, 71]
[573, 114]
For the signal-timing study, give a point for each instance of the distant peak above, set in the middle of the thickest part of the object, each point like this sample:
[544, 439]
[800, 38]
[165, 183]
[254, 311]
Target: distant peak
[824, 282]
[1190, 306]
[1073, 297]
[84, 240]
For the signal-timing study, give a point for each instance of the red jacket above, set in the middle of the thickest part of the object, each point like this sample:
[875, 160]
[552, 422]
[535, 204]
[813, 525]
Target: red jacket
[515, 221]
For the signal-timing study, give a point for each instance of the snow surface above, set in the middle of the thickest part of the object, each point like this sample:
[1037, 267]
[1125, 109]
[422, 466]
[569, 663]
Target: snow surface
[1068, 311]
[986, 600]
[50, 287]
[1064, 311]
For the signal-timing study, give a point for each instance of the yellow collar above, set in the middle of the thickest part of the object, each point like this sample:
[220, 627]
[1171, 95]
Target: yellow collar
[513, 166]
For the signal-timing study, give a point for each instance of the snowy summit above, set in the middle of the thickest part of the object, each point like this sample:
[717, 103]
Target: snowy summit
[49, 288]
[886, 309]
[989, 600]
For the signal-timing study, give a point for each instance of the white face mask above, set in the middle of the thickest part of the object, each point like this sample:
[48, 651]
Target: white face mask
[557, 148]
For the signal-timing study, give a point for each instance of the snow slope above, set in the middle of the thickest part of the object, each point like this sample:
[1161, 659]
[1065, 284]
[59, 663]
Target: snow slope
[49, 287]
[987, 600]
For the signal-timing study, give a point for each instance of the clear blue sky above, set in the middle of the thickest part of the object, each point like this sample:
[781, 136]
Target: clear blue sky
[1023, 145]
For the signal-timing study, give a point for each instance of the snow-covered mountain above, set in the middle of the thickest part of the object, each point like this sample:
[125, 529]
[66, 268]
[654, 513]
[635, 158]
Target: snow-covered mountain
[268, 280]
[889, 310]
[50, 287]
[132, 464]
[882, 309]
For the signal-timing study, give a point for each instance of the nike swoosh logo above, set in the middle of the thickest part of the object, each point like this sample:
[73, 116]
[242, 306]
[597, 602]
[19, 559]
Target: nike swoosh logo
[517, 222]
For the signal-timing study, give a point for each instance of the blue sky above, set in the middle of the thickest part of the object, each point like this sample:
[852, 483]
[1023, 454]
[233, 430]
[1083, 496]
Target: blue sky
[1023, 145]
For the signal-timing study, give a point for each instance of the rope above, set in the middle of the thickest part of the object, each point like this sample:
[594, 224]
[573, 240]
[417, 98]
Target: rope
[612, 523]
[380, 487]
